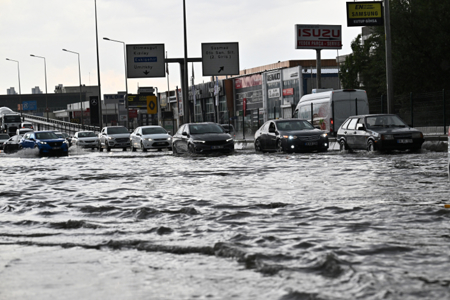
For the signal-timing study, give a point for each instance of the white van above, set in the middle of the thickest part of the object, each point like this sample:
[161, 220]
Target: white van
[328, 110]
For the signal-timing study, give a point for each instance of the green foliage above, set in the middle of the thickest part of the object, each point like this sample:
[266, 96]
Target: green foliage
[420, 39]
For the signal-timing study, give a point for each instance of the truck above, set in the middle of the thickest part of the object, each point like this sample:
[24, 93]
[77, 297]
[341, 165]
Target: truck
[328, 109]
[9, 121]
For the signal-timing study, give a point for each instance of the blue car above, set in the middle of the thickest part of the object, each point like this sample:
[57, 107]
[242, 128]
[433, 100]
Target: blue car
[47, 142]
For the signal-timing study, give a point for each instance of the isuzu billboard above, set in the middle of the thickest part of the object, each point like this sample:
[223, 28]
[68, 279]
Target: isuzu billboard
[318, 37]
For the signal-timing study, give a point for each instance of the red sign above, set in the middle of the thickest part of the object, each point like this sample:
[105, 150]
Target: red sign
[248, 81]
[132, 113]
[318, 37]
[245, 106]
[288, 92]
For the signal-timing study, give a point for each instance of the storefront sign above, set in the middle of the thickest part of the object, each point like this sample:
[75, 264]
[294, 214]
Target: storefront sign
[318, 37]
[248, 81]
[288, 92]
[365, 13]
[274, 93]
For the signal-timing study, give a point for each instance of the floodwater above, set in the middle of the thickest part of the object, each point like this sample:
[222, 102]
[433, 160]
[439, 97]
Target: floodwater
[123, 225]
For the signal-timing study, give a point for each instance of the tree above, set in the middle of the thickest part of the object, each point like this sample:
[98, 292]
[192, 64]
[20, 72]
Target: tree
[420, 51]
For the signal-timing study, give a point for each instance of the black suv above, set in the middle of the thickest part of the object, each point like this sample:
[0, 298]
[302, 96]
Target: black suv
[114, 137]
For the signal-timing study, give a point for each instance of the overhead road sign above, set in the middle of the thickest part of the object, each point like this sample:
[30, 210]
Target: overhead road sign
[219, 59]
[145, 61]
[365, 13]
[318, 37]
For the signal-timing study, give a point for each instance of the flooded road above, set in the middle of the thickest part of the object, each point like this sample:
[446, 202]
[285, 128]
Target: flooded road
[124, 225]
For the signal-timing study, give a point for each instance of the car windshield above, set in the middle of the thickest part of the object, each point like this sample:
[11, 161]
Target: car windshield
[4, 136]
[384, 121]
[11, 119]
[205, 128]
[86, 134]
[46, 135]
[153, 130]
[294, 125]
[117, 130]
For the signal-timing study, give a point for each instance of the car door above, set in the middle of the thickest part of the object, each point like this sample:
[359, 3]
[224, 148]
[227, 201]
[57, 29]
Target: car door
[135, 138]
[350, 133]
[271, 137]
[261, 135]
[361, 134]
[28, 141]
[178, 141]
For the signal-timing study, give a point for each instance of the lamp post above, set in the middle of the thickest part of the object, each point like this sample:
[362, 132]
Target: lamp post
[126, 71]
[79, 72]
[45, 73]
[18, 73]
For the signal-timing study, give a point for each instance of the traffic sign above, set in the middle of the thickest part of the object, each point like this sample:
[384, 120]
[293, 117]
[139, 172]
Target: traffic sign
[152, 105]
[219, 59]
[145, 61]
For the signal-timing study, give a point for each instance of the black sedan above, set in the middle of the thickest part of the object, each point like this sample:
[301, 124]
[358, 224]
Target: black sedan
[12, 144]
[292, 135]
[202, 138]
[382, 132]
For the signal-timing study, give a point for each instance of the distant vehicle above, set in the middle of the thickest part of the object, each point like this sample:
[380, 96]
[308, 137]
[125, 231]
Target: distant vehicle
[378, 132]
[26, 125]
[291, 135]
[47, 142]
[150, 137]
[114, 137]
[331, 108]
[3, 138]
[12, 145]
[85, 139]
[9, 121]
[202, 138]
[22, 131]
[229, 129]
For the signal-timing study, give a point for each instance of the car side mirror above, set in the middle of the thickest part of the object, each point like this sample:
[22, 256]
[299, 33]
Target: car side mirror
[317, 127]
[184, 133]
[169, 133]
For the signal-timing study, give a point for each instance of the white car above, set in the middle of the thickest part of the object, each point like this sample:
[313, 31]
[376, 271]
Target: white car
[150, 137]
[85, 139]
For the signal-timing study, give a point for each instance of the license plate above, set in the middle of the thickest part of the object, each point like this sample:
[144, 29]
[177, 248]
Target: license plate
[56, 148]
[405, 141]
[216, 147]
[310, 143]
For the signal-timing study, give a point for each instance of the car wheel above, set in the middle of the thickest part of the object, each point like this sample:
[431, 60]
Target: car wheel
[370, 146]
[143, 148]
[124, 149]
[174, 150]
[132, 148]
[100, 149]
[258, 146]
[280, 147]
[108, 149]
[342, 145]
[191, 149]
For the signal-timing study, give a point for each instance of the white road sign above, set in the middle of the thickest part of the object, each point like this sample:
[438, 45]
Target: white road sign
[220, 59]
[145, 61]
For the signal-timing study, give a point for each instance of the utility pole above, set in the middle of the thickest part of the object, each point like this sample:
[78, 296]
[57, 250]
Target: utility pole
[389, 79]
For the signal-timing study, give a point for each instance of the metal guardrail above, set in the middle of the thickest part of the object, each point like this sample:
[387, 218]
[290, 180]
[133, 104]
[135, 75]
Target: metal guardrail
[63, 126]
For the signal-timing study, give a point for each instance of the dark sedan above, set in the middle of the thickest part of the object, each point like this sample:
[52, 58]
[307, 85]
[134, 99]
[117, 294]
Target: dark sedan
[292, 135]
[202, 138]
[382, 132]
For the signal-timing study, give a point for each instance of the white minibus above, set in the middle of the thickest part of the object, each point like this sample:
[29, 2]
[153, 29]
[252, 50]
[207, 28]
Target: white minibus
[328, 110]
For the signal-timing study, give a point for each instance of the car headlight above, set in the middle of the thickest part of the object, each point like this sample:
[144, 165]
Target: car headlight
[149, 139]
[417, 135]
[198, 141]
[169, 138]
[387, 137]
[65, 142]
[42, 142]
[324, 135]
[229, 140]
[290, 137]
[110, 138]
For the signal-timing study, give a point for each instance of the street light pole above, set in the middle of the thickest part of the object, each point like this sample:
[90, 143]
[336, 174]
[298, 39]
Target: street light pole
[126, 72]
[79, 73]
[45, 73]
[18, 73]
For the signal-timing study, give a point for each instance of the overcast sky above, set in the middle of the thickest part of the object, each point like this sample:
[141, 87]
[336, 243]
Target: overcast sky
[264, 30]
